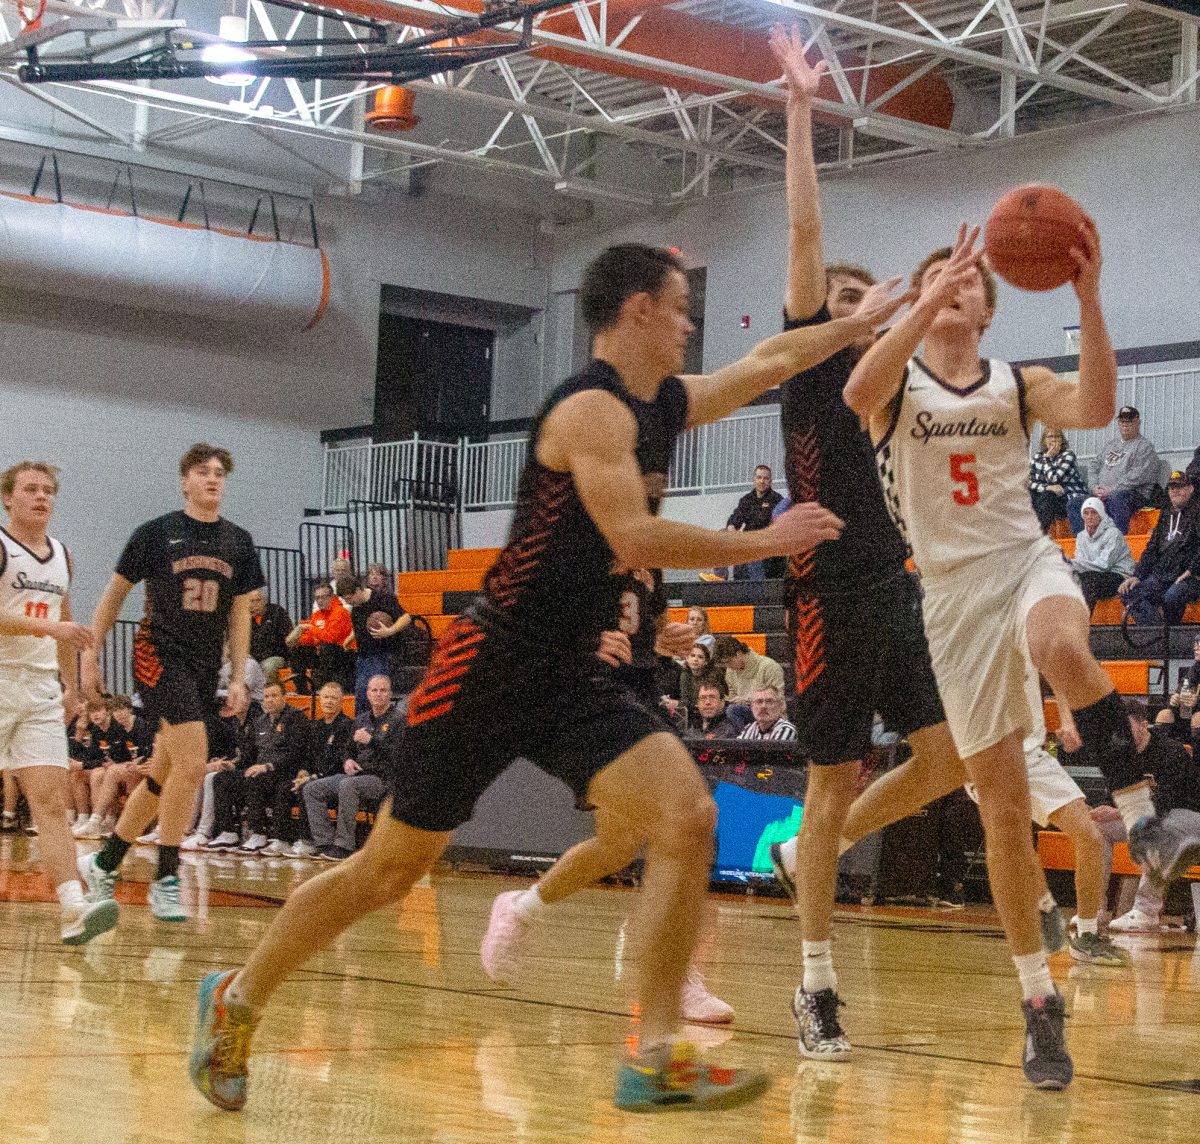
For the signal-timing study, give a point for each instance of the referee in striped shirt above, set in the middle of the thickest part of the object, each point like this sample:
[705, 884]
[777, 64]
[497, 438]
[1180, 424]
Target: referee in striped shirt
[769, 712]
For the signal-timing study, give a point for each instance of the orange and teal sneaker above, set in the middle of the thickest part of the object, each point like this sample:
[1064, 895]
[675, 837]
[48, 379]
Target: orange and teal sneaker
[221, 1049]
[671, 1077]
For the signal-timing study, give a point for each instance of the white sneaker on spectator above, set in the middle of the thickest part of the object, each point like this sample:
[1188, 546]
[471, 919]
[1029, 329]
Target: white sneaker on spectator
[88, 826]
[224, 841]
[276, 849]
[195, 841]
[1135, 922]
[255, 843]
[301, 849]
[150, 838]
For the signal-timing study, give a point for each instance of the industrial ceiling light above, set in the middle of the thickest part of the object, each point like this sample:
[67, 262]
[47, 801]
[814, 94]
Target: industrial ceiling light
[232, 32]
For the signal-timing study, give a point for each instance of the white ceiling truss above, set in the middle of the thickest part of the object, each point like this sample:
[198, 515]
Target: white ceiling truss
[588, 112]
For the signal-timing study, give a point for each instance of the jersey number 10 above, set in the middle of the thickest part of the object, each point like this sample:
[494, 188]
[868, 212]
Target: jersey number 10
[960, 474]
[200, 595]
[37, 611]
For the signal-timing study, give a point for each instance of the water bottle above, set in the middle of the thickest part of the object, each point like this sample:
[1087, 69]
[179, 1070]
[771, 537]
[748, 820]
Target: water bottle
[1187, 696]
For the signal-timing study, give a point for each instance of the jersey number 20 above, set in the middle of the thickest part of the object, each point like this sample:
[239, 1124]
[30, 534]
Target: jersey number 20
[960, 474]
[200, 595]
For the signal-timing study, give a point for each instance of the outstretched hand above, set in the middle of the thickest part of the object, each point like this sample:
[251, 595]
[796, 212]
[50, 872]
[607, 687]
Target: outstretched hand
[787, 46]
[955, 272]
[878, 307]
[801, 527]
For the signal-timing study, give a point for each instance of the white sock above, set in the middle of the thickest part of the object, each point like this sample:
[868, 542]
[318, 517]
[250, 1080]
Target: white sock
[530, 903]
[1035, 975]
[1134, 803]
[787, 851]
[818, 966]
[1087, 925]
[70, 896]
[234, 994]
[1047, 903]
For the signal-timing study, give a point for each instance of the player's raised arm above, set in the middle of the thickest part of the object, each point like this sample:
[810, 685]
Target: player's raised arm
[1091, 402]
[592, 435]
[771, 362]
[806, 285]
[879, 374]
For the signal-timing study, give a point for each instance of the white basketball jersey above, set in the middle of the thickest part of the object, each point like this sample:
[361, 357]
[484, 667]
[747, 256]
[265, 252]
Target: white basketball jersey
[954, 465]
[36, 588]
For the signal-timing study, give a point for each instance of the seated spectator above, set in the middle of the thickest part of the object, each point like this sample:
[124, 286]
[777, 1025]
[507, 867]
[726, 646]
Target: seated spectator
[699, 671]
[375, 644]
[770, 720]
[1102, 558]
[1181, 714]
[713, 721]
[269, 627]
[78, 742]
[139, 734]
[317, 643]
[364, 772]
[1054, 478]
[1166, 579]
[745, 672]
[263, 778]
[105, 765]
[340, 569]
[1175, 788]
[697, 620]
[1127, 477]
[253, 674]
[379, 578]
[230, 737]
[753, 512]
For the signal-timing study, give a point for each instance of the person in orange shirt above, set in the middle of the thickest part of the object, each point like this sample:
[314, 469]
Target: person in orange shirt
[316, 643]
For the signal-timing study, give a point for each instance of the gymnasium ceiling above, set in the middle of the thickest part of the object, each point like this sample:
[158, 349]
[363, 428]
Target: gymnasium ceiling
[630, 102]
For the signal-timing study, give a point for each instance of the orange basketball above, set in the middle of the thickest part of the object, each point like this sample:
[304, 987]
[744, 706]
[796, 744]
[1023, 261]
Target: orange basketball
[1029, 236]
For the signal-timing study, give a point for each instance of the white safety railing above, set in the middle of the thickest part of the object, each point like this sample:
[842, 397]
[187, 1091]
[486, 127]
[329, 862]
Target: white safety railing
[710, 458]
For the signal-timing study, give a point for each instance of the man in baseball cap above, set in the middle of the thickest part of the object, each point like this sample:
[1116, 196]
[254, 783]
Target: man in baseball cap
[1167, 577]
[1127, 473]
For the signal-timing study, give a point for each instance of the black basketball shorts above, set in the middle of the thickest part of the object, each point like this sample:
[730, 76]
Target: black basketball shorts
[487, 699]
[170, 690]
[855, 655]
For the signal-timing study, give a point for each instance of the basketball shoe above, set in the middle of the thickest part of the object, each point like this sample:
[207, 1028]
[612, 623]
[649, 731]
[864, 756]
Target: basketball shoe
[822, 1037]
[1046, 1062]
[671, 1077]
[218, 1065]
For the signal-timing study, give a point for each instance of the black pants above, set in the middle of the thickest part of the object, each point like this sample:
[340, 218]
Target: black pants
[234, 793]
[1099, 586]
[1049, 508]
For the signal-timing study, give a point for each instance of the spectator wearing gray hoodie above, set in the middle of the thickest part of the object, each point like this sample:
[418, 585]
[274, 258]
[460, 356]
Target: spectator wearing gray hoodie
[1128, 472]
[1102, 557]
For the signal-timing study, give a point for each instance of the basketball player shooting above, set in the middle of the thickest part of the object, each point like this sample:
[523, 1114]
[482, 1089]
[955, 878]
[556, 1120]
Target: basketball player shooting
[951, 435]
[199, 570]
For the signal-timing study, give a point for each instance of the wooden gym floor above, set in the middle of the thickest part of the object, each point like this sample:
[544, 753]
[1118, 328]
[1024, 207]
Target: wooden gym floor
[396, 1034]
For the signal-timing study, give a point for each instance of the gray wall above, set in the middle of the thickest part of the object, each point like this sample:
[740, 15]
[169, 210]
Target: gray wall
[1140, 180]
[115, 396]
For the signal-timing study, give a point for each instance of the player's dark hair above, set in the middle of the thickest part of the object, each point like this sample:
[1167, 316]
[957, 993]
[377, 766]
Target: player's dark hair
[767, 467]
[618, 274]
[346, 586]
[848, 270]
[201, 454]
[942, 254]
[8, 479]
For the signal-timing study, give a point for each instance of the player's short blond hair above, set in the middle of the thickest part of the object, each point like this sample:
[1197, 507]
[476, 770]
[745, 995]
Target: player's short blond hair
[8, 479]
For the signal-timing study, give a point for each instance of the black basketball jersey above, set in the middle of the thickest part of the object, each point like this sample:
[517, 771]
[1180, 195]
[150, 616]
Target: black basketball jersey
[829, 458]
[193, 570]
[557, 577]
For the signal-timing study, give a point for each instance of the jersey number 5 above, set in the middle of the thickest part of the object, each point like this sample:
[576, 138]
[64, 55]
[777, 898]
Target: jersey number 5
[960, 474]
[200, 595]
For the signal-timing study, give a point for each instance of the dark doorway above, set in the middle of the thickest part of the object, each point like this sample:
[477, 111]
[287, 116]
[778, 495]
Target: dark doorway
[432, 378]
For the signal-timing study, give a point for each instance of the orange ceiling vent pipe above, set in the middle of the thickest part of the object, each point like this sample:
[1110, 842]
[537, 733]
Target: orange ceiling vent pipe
[393, 110]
